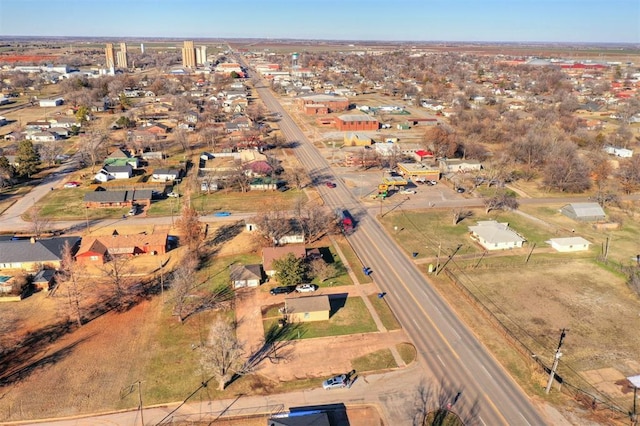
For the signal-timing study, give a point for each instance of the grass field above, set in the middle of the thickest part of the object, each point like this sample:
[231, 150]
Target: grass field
[378, 360]
[384, 312]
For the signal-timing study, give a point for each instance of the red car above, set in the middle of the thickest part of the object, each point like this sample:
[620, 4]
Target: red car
[330, 184]
[72, 184]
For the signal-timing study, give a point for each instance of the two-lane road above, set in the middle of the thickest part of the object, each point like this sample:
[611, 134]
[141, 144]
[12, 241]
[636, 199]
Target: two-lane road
[445, 345]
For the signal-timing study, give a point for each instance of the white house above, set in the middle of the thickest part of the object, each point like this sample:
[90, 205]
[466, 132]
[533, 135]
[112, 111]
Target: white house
[165, 175]
[42, 137]
[114, 172]
[495, 236]
[569, 244]
[51, 102]
[619, 152]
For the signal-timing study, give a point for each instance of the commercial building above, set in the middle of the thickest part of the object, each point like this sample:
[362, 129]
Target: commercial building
[188, 55]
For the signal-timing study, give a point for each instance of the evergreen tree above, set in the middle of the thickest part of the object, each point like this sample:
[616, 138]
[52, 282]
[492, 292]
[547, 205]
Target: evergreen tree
[27, 159]
[290, 270]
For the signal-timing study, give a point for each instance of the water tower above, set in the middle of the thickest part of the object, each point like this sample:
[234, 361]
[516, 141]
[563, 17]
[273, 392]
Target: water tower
[294, 60]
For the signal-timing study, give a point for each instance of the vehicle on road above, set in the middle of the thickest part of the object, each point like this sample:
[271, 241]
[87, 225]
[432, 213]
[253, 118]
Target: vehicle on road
[72, 184]
[306, 288]
[339, 381]
[173, 194]
[222, 214]
[330, 184]
[345, 221]
[281, 290]
[408, 191]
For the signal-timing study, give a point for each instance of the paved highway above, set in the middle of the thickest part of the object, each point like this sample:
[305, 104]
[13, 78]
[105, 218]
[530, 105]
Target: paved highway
[446, 346]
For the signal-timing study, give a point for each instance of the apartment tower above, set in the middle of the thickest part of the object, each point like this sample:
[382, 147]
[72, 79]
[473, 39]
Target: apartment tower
[110, 56]
[188, 55]
[122, 56]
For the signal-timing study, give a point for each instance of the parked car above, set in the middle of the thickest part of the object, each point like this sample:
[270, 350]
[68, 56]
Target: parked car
[408, 191]
[431, 182]
[72, 184]
[459, 190]
[339, 381]
[281, 290]
[222, 214]
[330, 184]
[133, 211]
[306, 288]
[173, 194]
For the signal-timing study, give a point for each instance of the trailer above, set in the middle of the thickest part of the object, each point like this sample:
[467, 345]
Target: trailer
[345, 221]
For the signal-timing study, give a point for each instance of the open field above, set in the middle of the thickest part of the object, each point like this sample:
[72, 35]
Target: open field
[553, 291]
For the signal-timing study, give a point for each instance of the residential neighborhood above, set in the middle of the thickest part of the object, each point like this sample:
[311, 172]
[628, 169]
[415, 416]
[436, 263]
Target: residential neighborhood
[253, 219]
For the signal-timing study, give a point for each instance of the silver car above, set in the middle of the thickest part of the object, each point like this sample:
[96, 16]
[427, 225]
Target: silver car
[339, 381]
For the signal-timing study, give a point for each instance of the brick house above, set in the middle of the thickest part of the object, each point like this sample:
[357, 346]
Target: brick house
[98, 250]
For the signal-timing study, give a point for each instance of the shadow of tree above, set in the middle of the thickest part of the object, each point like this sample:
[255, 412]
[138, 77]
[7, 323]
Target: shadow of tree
[18, 372]
[275, 347]
[226, 233]
[441, 404]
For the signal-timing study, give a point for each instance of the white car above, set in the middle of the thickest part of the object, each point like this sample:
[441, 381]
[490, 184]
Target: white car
[173, 194]
[306, 288]
[408, 191]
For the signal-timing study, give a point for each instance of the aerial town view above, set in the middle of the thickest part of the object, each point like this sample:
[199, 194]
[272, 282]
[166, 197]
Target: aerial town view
[320, 213]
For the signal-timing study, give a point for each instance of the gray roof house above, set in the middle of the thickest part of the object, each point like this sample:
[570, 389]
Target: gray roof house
[33, 255]
[117, 198]
[589, 212]
[245, 275]
[495, 236]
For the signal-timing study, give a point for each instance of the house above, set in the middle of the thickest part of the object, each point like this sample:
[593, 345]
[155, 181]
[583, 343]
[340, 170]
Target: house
[589, 212]
[166, 175]
[44, 136]
[495, 236]
[44, 279]
[98, 250]
[33, 255]
[245, 275]
[118, 198]
[356, 122]
[263, 184]
[116, 172]
[569, 244]
[270, 254]
[422, 155]
[307, 418]
[306, 309]
[450, 165]
[121, 158]
[46, 103]
[619, 152]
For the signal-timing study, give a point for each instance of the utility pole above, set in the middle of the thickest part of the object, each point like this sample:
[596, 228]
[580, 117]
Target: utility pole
[140, 401]
[556, 360]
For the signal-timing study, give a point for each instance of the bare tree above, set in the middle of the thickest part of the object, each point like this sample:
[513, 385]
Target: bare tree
[189, 225]
[502, 200]
[317, 222]
[118, 271]
[322, 270]
[459, 214]
[92, 146]
[296, 176]
[223, 354]
[39, 223]
[73, 285]
[49, 152]
[183, 282]
[273, 223]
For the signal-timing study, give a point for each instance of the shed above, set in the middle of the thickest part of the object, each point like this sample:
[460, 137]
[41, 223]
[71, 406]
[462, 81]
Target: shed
[305, 309]
[245, 275]
[569, 244]
[44, 279]
[589, 212]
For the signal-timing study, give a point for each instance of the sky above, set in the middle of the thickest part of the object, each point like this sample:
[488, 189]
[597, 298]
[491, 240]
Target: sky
[585, 21]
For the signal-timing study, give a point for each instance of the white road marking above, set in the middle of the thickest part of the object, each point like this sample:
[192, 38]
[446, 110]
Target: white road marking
[416, 323]
[441, 362]
[482, 421]
[525, 420]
